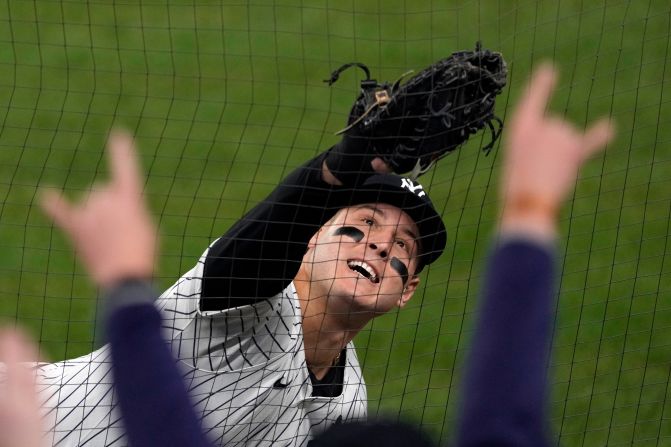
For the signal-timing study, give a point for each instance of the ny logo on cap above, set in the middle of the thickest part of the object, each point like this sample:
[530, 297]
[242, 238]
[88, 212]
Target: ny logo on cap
[416, 189]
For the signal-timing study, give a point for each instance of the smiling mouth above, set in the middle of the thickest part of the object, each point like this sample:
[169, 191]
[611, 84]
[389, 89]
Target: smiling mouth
[364, 270]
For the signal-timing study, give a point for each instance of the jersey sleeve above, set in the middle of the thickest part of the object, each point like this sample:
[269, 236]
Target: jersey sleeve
[261, 253]
[505, 382]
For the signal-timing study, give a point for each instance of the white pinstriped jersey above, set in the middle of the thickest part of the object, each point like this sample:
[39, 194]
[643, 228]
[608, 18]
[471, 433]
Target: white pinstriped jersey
[244, 367]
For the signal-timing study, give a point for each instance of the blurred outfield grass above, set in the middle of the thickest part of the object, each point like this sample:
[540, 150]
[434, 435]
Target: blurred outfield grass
[227, 97]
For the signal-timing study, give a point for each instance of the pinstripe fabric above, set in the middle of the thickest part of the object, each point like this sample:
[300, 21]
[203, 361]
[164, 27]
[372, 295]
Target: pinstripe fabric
[244, 367]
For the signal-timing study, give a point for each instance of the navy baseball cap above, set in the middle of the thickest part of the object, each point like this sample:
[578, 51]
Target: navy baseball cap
[409, 196]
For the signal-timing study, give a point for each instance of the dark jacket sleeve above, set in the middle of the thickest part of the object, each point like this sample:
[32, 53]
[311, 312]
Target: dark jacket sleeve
[260, 254]
[505, 379]
[155, 405]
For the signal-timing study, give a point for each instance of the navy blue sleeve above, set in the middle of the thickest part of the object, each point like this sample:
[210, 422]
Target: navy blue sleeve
[153, 399]
[505, 380]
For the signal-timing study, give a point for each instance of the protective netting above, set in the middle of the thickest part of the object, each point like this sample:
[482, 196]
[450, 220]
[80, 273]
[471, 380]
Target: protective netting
[226, 99]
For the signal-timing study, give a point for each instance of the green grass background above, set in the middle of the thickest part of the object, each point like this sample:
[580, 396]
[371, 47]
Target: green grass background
[227, 97]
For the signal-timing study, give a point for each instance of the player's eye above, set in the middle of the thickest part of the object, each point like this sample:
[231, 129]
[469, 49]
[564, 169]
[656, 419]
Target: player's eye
[368, 221]
[401, 243]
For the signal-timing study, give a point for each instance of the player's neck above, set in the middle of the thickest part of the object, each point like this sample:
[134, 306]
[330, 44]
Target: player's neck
[322, 349]
[328, 320]
[325, 334]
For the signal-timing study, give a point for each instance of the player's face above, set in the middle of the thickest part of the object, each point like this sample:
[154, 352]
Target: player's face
[367, 254]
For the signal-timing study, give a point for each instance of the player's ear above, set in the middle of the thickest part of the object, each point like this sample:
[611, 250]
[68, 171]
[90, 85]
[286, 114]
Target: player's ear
[409, 290]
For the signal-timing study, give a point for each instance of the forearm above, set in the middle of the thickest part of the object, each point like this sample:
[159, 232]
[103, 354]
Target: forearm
[260, 254]
[505, 385]
[154, 402]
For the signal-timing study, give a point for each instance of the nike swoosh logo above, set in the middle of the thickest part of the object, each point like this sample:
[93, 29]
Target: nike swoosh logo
[278, 383]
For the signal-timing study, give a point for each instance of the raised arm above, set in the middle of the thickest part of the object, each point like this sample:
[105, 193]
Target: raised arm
[114, 236]
[396, 128]
[260, 254]
[505, 386]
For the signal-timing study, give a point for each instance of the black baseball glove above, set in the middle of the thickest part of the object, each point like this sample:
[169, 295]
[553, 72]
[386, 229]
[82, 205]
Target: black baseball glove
[413, 124]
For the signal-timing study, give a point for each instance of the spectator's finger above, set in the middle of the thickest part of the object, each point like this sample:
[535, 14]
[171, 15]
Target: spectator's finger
[124, 166]
[538, 93]
[58, 209]
[15, 349]
[597, 136]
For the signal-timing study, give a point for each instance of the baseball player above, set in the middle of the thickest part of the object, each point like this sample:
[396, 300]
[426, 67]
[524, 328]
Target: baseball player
[262, 326]
[505, 392]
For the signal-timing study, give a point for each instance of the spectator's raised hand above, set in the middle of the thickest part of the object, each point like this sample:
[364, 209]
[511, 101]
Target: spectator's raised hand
[110, 229]
[542, 158]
